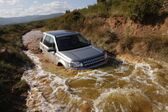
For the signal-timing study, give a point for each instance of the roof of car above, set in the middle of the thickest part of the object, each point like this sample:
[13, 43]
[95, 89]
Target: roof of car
[60, 33]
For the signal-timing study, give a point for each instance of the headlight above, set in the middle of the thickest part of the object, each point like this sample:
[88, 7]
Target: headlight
[76, 64]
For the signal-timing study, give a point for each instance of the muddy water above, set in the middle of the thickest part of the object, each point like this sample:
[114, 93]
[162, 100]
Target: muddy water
[135, 86]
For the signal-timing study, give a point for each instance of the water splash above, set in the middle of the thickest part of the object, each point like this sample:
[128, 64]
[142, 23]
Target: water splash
[132, 87]
[122, 100]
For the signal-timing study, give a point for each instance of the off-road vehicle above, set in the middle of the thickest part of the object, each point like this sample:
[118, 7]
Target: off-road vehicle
[71, 50]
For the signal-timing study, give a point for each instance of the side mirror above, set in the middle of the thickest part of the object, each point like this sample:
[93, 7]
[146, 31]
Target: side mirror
[51, 49]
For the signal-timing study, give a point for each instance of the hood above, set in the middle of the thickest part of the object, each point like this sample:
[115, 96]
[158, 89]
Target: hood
[82, 53]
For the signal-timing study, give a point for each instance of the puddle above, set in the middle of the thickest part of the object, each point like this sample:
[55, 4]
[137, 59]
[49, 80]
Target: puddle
[132, 87]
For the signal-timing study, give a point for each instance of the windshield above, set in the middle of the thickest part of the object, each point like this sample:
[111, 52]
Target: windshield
[71, 42]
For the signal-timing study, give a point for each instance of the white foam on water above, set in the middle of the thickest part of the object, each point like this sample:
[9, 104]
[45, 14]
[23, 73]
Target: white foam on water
[146, 68]
[122, 69]
[149, 71]
[120, 91]
[122, 108]
[114, 106]
[42, 105]
[93, 73]
[57, 83]
[166, 108]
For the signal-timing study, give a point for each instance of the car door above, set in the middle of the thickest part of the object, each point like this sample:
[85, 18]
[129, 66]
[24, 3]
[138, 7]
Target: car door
[50, 48]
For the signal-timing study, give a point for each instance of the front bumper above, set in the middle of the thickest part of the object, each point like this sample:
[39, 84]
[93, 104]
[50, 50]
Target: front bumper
[91, 66]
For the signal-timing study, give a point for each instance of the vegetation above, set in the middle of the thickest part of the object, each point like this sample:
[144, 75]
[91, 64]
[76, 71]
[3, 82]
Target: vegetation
[12, 65]
[142, 9]
[137, 10]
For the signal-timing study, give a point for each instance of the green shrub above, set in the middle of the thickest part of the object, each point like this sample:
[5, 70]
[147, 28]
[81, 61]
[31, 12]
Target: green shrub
[20, 87]
[5, 67]
[118, 7]
[73, 20]
[139, 10]
[100, 10]
[70, 21]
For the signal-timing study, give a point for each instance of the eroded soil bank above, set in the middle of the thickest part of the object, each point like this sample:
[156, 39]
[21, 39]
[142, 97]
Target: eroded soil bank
[137, 85]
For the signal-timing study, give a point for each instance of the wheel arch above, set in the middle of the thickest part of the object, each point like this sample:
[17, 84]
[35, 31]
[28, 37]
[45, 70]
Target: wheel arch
[63, 63]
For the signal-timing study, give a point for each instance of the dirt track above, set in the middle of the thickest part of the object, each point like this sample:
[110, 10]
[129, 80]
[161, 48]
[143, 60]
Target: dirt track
[31, 40]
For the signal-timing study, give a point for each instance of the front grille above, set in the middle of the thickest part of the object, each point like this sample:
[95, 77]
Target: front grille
[93, 61]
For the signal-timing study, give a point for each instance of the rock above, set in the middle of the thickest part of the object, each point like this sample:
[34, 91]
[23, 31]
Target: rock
[31, 40]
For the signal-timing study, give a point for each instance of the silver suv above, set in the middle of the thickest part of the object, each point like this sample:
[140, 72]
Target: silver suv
[71, 50]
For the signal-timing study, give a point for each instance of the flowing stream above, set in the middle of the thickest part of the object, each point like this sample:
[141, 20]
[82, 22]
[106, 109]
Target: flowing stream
[132, 87]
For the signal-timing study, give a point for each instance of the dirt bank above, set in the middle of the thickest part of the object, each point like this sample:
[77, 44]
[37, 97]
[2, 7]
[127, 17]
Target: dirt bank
[121, 35]
[125, 27]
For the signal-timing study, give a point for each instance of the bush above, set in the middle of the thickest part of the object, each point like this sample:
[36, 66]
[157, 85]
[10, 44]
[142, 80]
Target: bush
[139, 10]
[73, 21]
[100, 10]
[118, 7]
[20, 87]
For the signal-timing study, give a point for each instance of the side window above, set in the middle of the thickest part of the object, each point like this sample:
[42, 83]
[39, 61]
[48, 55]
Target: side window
[49, 41]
